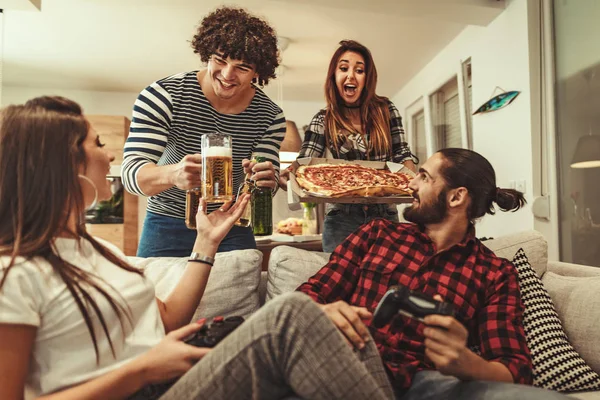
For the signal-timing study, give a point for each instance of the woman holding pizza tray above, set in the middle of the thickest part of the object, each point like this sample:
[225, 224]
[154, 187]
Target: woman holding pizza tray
[356, 124]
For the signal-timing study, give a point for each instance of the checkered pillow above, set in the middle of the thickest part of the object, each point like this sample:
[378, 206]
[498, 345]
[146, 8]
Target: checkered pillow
[556, 364]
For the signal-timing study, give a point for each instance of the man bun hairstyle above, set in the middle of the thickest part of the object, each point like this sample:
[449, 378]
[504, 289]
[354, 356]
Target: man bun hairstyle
[468, 169]
[235, 33]
[509, 199]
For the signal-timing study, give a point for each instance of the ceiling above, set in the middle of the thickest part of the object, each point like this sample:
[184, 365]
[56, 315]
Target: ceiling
[123, 45]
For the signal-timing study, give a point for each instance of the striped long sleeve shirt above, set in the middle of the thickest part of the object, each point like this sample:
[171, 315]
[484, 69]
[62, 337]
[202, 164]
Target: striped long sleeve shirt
[171, 115]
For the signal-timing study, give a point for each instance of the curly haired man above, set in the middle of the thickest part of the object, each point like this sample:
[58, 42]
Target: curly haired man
[162, 153]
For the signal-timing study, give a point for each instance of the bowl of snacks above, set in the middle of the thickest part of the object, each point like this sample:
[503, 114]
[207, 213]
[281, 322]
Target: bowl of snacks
[290, 226]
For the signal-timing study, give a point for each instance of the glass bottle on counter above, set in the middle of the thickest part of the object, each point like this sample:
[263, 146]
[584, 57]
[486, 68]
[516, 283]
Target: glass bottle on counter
[192, 201]
[262, 208]
[309, 220]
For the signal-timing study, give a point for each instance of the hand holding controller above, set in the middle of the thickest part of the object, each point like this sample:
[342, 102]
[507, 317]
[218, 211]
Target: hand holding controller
[210, 335]
[400, 299]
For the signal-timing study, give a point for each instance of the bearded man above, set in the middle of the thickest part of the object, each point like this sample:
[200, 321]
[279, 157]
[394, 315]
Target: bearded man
[437, 255]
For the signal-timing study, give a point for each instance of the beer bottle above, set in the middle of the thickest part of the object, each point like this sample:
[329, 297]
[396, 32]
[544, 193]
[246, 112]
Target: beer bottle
[192, 201]
[262, 208]
[246, 217]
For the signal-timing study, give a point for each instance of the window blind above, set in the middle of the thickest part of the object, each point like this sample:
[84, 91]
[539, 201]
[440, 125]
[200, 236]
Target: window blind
[420, 140]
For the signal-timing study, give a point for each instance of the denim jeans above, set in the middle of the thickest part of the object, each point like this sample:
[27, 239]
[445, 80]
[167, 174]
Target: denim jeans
[164, 236]
[432, 385]
[343, 219]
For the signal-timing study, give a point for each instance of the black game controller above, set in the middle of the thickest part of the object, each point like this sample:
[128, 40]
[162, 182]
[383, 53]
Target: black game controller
[208, 336]
[402, 300]
[211, 334]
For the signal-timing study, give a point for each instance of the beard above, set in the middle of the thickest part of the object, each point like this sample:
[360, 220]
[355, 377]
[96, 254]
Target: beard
[428, 213]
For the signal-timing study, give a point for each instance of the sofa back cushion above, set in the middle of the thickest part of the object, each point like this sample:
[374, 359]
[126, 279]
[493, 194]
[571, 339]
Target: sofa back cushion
[290, 267]
[232, 287]
[532, 243]
[578, 306]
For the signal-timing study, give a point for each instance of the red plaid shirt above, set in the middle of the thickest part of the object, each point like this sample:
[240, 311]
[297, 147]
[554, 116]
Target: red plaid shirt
[483, 288]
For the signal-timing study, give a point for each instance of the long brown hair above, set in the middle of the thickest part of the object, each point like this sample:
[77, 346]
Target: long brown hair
[41, 152]
[374, 109]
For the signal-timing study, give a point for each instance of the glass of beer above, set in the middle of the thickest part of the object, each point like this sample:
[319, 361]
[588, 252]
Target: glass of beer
[217, 168]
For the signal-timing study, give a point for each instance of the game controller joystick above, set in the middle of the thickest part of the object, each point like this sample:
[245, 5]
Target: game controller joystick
[211, 334]
[402, 300]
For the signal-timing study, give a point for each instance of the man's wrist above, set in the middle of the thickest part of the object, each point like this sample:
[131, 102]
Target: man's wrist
[474, 367]
[169, 174]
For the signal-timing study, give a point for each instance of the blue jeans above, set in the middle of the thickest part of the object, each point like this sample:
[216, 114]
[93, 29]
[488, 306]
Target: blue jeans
[343, 219]
[432, 385]
[164, 236]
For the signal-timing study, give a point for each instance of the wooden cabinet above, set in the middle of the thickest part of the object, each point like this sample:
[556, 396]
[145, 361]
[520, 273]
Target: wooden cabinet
[113, 131]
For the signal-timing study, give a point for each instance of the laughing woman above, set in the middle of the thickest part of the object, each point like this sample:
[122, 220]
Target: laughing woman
[356, 124]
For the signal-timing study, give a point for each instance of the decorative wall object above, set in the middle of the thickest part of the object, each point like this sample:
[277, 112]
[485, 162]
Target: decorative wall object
[497, 102]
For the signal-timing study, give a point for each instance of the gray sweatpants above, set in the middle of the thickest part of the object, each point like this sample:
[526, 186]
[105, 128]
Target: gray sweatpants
[287, 348]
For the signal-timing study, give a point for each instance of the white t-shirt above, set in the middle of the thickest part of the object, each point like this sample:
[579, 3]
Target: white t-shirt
[63, 353]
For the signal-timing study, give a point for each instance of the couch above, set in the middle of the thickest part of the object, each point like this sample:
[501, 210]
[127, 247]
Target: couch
[237, 286]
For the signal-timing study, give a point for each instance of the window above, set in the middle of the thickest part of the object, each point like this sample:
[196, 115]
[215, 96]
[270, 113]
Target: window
[445, 110]
[419, 146]
[468, 91]
[577, 96]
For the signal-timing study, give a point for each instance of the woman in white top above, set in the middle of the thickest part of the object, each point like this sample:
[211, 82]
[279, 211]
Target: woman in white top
[78, 322]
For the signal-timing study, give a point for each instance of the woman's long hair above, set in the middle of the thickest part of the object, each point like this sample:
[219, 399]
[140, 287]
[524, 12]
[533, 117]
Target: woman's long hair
[41, 152]
[374, 109]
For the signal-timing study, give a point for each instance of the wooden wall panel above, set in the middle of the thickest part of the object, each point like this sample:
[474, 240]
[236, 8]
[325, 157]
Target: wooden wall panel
[113, 131]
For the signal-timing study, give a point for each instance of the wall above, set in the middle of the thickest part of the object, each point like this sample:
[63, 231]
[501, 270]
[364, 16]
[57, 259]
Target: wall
[500, 57]
[301, 112]
[117, 103]
[98, 103]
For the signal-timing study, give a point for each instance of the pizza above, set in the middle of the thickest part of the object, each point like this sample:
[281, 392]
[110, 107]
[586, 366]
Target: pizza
[350, 180]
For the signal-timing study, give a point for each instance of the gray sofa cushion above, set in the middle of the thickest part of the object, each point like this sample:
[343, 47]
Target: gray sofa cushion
[577, 303]
[290, 267]
[532, 242]
[232, 287]
[568, 269]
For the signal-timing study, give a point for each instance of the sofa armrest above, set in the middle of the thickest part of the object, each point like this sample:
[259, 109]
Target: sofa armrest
[568, 269]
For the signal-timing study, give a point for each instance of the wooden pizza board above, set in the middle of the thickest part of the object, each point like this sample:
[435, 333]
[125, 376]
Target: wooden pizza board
[298, 195]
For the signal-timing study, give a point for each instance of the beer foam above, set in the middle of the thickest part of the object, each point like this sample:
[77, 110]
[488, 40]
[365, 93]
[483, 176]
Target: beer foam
[217, 152]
